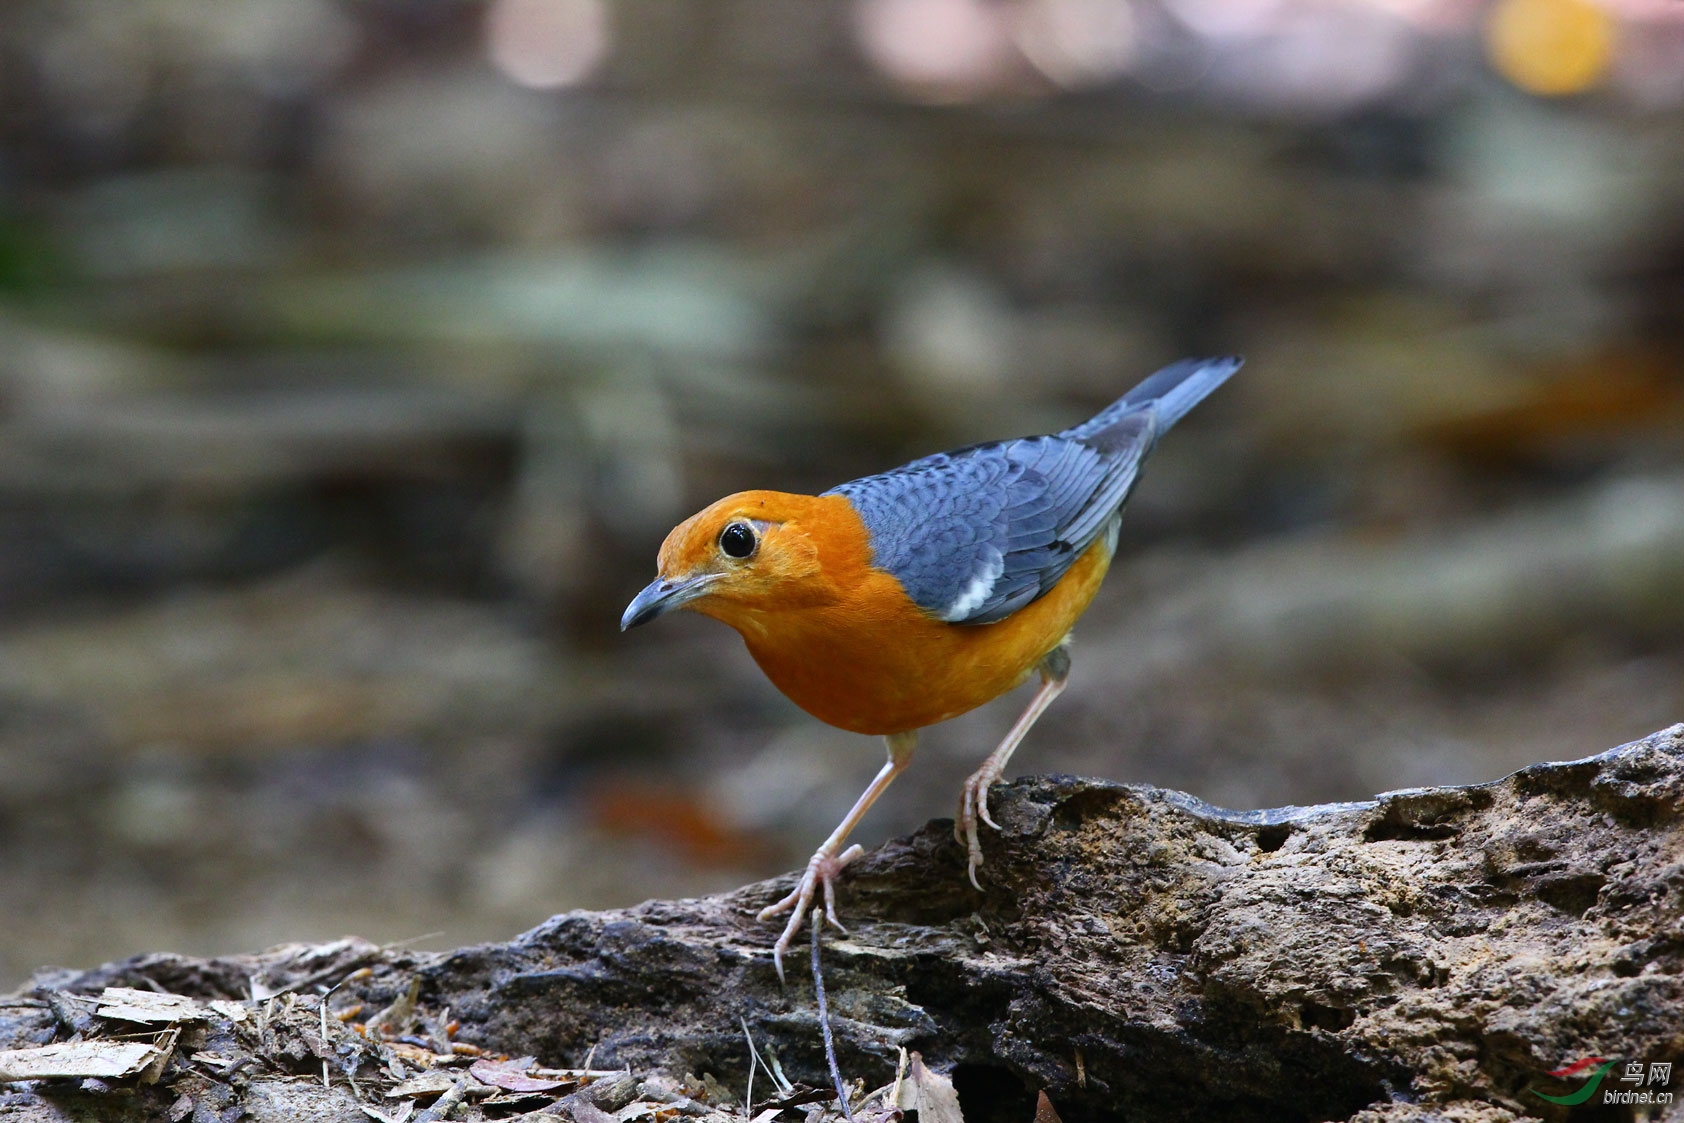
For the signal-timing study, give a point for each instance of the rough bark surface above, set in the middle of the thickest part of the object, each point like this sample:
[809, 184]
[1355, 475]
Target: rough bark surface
[1136, 953]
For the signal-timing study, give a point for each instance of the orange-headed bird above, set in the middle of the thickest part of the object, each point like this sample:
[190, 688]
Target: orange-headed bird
[899, 600]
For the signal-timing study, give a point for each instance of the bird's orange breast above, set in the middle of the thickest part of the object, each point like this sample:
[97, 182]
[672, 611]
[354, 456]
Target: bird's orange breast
[867, 659]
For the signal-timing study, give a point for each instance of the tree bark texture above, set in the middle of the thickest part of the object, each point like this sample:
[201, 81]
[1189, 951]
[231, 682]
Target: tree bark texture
[1135, 953]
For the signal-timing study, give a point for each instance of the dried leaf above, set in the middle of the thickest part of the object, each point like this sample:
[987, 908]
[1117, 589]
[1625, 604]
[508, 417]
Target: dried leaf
[539, 1072]
[310, 953]
[147, 1006]
[503, 1102]
[417, 1055]
[586, 1112]
[1044, 1112]
[399, 1013]
[108, 1060]
[164, 1047]
[398, 1114]
[930, 1094]
[706, 1088]
[511, 1076]
[426, 1084]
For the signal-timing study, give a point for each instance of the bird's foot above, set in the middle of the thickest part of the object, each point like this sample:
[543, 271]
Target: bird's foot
[823, 869]
[973, 805]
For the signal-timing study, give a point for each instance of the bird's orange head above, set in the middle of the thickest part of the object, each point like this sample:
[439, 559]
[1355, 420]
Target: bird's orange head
[752, 553]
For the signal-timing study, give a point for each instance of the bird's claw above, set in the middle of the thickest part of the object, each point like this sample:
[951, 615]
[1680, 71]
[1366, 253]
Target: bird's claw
[973, 805]
[822, 869]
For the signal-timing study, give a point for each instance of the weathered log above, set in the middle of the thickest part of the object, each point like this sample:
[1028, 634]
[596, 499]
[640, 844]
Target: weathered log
[1431, 953]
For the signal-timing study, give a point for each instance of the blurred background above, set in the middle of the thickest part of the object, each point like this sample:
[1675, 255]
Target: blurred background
[356, 355]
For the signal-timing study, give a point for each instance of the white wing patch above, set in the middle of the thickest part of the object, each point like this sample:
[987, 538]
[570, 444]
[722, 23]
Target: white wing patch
[977, 591]
[1112, 529]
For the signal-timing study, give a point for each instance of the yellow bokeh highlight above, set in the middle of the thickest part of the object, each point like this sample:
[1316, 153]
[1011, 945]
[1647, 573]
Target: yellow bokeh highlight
[1550, 47]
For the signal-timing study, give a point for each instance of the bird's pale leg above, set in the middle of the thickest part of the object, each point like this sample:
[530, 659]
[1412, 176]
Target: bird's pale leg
[973, 797]
[831, 859]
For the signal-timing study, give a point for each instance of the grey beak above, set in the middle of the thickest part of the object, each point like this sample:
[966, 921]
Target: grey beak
[662, 595]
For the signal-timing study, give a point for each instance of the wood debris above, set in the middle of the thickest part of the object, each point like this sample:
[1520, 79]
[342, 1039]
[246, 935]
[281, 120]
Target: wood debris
[130, 1005]
[401, 1066]
[104, 1060]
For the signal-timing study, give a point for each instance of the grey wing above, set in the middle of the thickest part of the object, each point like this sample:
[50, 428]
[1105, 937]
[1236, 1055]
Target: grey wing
[975, 535]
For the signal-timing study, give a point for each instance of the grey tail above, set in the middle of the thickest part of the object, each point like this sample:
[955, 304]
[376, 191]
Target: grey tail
[1171, 392]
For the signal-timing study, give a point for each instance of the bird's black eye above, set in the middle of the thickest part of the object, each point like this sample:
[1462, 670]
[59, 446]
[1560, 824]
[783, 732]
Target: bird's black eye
[737, 540]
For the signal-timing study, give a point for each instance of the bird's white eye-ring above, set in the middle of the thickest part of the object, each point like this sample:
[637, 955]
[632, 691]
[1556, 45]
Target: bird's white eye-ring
[738, 540]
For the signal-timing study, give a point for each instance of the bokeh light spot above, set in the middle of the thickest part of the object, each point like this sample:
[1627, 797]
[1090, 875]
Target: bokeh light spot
[1550, 47]
[1079, 42]
[547, 44]
[941, 50]
[1220, 19]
